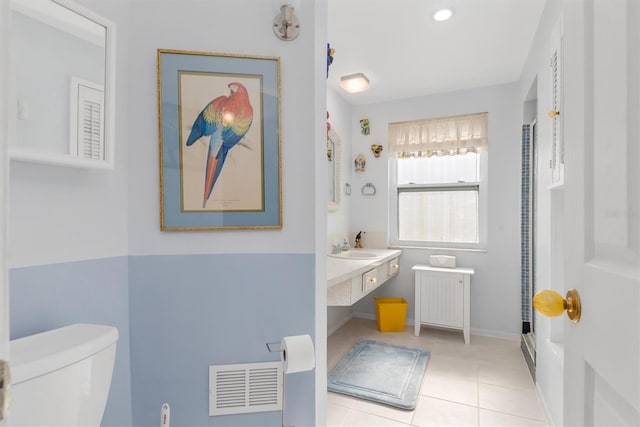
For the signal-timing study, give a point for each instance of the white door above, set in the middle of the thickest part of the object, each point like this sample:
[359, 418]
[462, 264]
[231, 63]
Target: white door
[601, 201]
[4, 186]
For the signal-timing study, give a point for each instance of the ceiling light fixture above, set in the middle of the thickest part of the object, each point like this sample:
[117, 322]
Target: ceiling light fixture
[443, 15]
[354, 83]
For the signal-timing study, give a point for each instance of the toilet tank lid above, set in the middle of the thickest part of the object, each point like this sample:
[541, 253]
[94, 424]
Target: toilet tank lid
[41, 353]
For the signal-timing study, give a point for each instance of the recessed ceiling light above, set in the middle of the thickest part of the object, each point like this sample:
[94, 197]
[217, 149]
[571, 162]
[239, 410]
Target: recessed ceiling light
[443, 14]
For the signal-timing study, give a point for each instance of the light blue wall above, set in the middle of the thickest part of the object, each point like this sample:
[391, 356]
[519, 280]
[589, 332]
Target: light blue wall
[189, 312]
[96, 291]
[185, 313]
[216, 297]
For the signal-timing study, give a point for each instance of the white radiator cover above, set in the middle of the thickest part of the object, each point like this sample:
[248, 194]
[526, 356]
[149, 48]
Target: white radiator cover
[245, 388]
[442, 298]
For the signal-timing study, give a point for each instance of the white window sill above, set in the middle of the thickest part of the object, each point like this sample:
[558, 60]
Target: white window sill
[439, 248]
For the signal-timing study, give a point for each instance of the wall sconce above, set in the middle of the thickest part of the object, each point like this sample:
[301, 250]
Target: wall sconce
[354, 83]
[286, 25]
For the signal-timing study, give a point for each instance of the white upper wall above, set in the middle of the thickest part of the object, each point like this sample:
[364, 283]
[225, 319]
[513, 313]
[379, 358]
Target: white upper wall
[59, 214]
[371, 213]
[497, 275]
[340, 119]
[249, 32]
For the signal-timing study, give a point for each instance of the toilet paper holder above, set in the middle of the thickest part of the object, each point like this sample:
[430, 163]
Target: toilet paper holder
[281, 347]
[297, 353]
[271, 350]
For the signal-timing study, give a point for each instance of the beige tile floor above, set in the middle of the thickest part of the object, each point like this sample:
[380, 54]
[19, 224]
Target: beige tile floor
[485, 383]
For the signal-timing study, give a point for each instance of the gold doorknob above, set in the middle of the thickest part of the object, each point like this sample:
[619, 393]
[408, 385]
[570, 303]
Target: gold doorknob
[551, 304]
[553, 113]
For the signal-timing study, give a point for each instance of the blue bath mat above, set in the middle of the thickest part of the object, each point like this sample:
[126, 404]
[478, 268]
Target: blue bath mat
[380, 372]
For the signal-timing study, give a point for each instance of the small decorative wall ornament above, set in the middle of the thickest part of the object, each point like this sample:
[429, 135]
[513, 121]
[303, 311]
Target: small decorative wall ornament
[364, 127]
[330, 53]
[360, 162]
[377, 149]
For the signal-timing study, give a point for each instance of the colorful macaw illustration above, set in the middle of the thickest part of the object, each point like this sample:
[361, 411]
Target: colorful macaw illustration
[225, 120]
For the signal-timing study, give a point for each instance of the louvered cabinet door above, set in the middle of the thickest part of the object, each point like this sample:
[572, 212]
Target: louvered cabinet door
[87, 120]
[442, 298]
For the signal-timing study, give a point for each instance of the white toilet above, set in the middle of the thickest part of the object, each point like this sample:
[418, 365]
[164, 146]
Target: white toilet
[62, 377]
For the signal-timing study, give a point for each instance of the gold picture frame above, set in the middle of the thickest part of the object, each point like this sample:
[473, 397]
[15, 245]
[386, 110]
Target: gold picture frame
[219, 141]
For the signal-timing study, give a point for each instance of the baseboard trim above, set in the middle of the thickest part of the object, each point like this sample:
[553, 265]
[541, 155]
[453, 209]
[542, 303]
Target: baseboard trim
[339, 325]
[496, 334]
[474, 331]
[369, 316]
[361, 315]
[529, 354]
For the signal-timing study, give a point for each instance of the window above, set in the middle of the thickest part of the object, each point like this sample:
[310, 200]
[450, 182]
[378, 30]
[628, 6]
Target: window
[438, 194]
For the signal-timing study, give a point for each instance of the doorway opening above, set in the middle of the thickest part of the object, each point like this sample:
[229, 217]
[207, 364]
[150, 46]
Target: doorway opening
[528, 226]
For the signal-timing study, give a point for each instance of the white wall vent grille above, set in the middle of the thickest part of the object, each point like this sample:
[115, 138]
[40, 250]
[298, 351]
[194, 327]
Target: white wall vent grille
[245, 388]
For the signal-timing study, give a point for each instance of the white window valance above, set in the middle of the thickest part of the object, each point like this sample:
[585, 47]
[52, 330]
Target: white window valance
[439, 137]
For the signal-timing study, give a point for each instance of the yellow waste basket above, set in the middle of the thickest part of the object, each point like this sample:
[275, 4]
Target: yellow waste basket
[391, 313]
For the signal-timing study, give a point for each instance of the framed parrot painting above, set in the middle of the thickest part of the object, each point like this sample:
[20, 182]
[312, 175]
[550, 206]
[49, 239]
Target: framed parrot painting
[219, 136]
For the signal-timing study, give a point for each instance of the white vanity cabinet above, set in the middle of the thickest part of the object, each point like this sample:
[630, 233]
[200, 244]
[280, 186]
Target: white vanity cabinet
[393, 267]
[351, 290]
[346, 292]
[370, 280]
[442, 298]
[350, 280]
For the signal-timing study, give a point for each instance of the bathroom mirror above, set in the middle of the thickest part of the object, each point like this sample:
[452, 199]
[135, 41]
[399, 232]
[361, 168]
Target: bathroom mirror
[62, 64]
[334, 155]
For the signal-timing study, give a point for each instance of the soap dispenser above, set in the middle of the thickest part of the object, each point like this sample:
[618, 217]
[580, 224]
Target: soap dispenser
[359, 240]
[345, 243]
